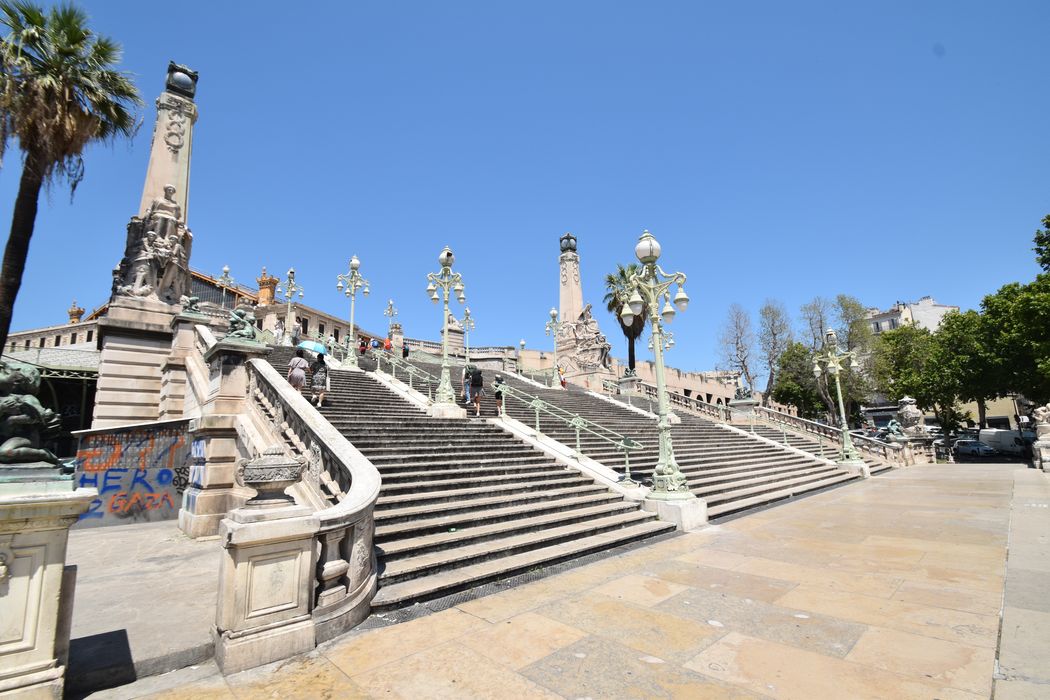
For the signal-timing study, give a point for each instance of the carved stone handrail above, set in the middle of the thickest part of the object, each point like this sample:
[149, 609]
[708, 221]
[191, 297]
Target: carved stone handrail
[689, 403]
[342, 485]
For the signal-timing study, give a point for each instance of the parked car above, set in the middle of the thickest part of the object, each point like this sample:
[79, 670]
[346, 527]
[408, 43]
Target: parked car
[974, 447]
[1007, 441]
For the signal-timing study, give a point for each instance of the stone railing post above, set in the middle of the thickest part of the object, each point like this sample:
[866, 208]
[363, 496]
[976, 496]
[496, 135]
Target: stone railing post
[38, 504]
[210, 494]
[266, 575]
[173, 382]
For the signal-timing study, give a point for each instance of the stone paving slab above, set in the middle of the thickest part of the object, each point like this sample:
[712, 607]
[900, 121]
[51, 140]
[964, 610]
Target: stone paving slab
[890, 588]
[145, 602]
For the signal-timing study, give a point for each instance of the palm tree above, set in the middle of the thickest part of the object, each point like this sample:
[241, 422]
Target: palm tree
[617, 292]
[59, 92]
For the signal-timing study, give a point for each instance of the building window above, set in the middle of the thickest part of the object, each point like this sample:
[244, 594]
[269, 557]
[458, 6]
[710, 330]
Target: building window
[72, 338]
[876, 326]
[27, 343]
[306, 326]
[893, 323]
[41, 342]
[320, 329]
[90, 333]
[336, 334]
[58, 340]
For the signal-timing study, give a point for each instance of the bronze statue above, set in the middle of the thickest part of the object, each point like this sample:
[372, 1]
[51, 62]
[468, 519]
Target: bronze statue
[242, 324]
[23, 419]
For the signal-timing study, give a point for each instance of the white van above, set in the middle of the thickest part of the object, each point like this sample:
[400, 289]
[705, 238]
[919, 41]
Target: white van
[1007, 442]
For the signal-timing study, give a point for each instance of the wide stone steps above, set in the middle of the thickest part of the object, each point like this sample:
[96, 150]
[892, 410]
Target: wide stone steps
[462, 501]
[450, 581]
[456, 537]
[763, 486]
[567, 503]
[475, 482]
[745, 502]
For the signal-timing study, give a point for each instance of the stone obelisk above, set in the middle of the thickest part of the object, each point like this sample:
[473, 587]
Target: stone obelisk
[135, 336]
[583, 352]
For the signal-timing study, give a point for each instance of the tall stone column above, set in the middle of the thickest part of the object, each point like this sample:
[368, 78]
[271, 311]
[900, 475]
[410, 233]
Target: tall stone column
[150, 281]
[583, 352]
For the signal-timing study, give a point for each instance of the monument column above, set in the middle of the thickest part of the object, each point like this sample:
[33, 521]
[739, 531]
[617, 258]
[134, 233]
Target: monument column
[152, 279]
[583, 352]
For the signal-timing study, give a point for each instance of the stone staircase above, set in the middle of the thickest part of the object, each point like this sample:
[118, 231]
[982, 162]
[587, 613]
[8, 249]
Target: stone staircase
[464, 502]
[729, 470]
[811, 444]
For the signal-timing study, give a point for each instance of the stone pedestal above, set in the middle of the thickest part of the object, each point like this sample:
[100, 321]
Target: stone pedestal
[135, 339]
[37, 507]
[209, 495]
[687, 514]
[1041, 454]
[173, 389]
[266, 577]
[743, 410]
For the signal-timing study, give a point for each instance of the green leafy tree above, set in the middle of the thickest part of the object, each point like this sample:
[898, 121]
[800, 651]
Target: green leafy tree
[1017, 319]
[1042, 244]
[795, 384]
[854, 332]
[774, 337]
[912, 361]
[59, 92]
[617, 291]
[968, 338]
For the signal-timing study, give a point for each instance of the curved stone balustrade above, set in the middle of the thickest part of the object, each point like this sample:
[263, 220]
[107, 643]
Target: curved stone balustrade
[344, 486]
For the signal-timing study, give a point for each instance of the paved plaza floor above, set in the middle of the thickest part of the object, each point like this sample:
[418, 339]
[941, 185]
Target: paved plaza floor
[890, 588]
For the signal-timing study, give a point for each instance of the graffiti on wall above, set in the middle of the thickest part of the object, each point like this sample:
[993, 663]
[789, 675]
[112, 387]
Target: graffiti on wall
[140, 473]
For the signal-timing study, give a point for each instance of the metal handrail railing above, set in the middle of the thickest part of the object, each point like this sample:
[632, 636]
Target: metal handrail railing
[575, 421]
[418, 379]
[877, 448]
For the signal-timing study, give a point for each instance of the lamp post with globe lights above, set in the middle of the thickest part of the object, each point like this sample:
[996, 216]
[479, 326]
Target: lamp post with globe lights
[349, 283]
[390, 313]
[468, 325]
[290, 288]
[648, 287]
[439, 285]
[553, 328]
[225, 281]
[831, 361]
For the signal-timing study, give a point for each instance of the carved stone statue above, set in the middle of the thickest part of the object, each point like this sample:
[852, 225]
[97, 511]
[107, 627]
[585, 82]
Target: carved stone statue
[164, 214]
[156, 253]
[910, 417]
[894, 427]
[22, 417]
[242, 324]
[1041, 448]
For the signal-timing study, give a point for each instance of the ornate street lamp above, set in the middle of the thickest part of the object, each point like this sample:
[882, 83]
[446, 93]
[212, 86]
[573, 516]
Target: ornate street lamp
[830, 361]
[468, 325]
[553, 328]
[351, 282]
[648, 286]
[225, 281]
[390, 313]
[446, 281]
[290, 288]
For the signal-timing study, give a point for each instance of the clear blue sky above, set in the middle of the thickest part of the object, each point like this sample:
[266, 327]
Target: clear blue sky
[885, 150]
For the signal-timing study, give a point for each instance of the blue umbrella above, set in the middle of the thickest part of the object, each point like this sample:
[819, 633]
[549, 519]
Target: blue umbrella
[313, 346]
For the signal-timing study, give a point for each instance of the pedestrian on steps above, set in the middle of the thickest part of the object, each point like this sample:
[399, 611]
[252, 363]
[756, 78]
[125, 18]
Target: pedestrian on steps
[497, 393]
[404, 350]
[477, 388]
[320, 381]
[297, 367]
[464, 379]
[388, 345]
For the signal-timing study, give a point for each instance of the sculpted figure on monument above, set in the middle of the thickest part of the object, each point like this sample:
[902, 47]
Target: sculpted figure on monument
[164, 214]
[22, 417]
[242, 324]
[910, 417]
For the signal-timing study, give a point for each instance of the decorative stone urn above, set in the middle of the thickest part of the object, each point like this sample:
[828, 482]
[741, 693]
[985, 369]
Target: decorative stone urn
[270, 475]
